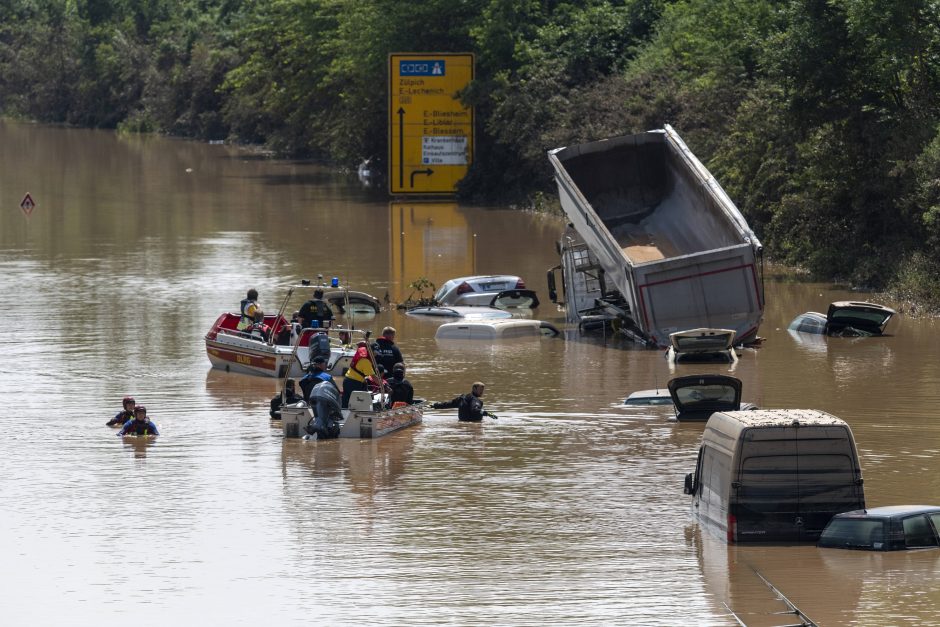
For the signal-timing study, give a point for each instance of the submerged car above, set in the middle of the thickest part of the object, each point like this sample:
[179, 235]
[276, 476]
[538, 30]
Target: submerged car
[701, 345]
[892, 528]
[659, 396]
[696, 397]
[494, 290]
[354, 302]
[845, 319]
[496, 330]
[459, 311]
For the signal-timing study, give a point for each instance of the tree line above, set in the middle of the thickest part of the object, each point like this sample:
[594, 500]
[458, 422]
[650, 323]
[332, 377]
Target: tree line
[821, 118]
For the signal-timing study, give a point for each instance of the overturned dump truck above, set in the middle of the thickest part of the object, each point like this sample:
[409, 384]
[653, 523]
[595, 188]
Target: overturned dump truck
[654, 243]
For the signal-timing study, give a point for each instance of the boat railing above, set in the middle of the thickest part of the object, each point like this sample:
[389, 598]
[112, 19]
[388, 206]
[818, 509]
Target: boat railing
[245, 335]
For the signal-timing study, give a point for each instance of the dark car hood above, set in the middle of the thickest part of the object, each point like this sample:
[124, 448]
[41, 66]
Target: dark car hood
[705, 393]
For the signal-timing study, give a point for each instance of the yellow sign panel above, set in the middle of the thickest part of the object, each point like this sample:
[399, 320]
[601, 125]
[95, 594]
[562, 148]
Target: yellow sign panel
[430, 132]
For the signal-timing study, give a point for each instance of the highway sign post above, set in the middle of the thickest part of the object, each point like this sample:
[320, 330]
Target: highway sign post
[430, 130]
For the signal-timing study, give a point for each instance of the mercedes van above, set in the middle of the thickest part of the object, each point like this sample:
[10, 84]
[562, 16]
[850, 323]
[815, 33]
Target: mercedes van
[774, 475]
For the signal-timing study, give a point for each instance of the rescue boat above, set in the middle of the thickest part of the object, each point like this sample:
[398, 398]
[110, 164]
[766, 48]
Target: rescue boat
[238, 351]
[366, 418]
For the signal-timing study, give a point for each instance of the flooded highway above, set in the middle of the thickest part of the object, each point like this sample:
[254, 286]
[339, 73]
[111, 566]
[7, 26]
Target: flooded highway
[567, 510]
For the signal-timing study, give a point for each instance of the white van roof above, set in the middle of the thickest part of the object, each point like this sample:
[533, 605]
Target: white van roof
[489, 330]
[732, 423]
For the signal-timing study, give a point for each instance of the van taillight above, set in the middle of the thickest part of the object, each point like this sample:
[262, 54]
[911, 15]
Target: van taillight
[732, 528]
[463, 288]
[520, 284]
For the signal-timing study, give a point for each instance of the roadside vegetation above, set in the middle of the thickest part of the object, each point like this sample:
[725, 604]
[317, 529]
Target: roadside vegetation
[821, 118]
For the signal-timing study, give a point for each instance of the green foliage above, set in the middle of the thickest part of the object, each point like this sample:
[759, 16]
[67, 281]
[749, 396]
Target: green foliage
[419, 285]
[917, 284]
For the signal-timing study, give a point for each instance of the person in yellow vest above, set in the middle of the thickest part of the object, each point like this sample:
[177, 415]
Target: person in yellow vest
[359, 368]
[248, 307]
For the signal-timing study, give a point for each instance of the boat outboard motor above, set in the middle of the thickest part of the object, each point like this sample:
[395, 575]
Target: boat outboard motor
[326, 409]
[320, 346]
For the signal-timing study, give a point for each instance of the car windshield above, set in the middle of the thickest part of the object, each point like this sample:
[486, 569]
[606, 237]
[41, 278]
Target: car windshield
[853, 533]
[649, 400]
[688, 396]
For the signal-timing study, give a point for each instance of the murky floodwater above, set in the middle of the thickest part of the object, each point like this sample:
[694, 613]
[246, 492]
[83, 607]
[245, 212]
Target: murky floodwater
[567, 510]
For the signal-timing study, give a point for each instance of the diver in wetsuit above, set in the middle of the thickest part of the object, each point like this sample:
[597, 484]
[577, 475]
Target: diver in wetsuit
[140, 425]
[124, 415]
[289, 397]
[402, 390]
[469, 406]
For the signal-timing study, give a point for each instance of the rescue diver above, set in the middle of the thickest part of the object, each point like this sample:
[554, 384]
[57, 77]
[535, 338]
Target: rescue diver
[469, 406]
[402, 391]
[139, 424]
[125, 414]
[288, 397]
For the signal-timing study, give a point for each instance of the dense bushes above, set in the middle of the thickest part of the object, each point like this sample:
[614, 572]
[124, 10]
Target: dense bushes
[820, 117]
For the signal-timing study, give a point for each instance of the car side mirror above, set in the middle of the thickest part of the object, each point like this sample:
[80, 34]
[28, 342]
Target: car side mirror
[689, 485]
[552, 291]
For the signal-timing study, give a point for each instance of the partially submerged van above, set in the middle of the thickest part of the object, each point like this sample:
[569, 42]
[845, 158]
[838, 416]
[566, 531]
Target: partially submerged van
[774, 475]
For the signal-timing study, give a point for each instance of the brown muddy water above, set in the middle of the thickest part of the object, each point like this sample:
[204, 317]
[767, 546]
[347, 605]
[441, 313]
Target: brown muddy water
[568, 510]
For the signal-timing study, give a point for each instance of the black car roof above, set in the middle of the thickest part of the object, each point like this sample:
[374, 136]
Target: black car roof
[890, 511]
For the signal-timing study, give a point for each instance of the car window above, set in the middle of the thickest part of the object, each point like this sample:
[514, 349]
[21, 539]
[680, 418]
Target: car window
[649, 400]
[918, 532]
[935, 519]
[444, 289]
[716, 342]
[853, 533]
[706, 394]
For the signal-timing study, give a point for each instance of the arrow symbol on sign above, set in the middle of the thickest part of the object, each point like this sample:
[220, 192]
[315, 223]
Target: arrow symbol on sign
[401, 148]
[429, 172]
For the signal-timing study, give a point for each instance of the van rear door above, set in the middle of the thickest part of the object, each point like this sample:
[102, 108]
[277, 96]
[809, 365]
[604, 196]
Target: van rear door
[792, 480]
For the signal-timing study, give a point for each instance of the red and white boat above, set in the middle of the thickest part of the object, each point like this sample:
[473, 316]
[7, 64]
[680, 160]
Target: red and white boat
[237, 351]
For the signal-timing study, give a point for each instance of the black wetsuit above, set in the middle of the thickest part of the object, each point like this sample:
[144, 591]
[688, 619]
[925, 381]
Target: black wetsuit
[469, 407]
[290, 397]
[120, 418]
[402, 391]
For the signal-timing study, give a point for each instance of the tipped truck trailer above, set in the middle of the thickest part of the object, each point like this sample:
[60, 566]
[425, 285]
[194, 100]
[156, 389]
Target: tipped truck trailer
[653, 240]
